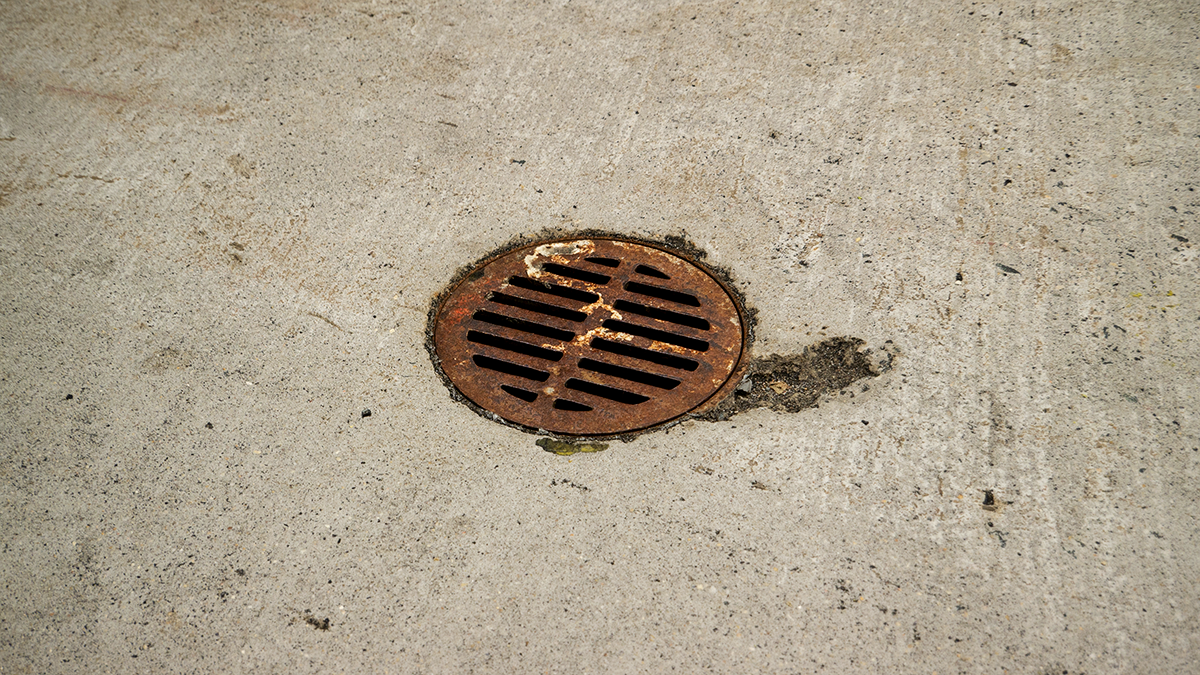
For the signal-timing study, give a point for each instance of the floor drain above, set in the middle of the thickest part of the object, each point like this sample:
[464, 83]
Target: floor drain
[590, 337]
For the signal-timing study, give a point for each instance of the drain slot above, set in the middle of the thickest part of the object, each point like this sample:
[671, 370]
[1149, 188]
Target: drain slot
[567, 404]
[524, 395]
[522, 325]
[610, 393]
[649, 271]
[510, 368]
[553, 289]
[656, 335]
[662, 293]
[668, 360]
[537, 307]
[581, 275]
[662, 315]
[606, 262]
[630, 374]
[513, 346]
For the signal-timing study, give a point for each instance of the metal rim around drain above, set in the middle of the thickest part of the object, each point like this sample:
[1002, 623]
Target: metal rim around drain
[590, 337]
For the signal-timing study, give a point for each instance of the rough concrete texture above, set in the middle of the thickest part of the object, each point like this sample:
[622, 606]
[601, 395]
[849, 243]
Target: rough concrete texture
[223, 224]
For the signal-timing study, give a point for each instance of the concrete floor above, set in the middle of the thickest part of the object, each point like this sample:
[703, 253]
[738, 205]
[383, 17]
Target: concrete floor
[223, 223]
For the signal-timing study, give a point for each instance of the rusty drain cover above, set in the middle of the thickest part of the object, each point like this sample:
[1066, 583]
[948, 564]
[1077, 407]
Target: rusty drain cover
[590, 337]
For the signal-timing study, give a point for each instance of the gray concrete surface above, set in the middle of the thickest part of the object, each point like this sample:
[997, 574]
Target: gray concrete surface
[235, 214]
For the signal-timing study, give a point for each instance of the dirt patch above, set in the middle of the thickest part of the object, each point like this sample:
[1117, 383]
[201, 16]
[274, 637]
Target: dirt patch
[241, 166]
[795, 382]
[166, 360]
[564, 448]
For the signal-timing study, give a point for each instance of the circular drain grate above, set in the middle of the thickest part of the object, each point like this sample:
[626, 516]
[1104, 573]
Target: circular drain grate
[589, 337]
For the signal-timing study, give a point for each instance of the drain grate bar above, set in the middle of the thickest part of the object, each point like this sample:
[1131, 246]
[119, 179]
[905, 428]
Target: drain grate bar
[661, 293]
[537, 307]
[523, 394]
[662, 315]
[513, 345]
[656, 335]
[530, 327]
[662, 359]
[510, 368]
[574, 273]
[606, 262]
[648, 271]
[631, 374]
[586, 297]
[602, 391]
[572, 406]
